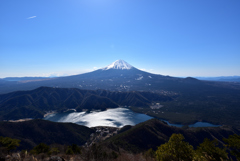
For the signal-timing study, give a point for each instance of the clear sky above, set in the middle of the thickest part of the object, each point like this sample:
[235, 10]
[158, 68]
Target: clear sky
[169, 37]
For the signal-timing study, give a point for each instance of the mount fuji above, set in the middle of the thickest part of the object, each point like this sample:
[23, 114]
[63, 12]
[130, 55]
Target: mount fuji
[118, 76]
[191, 99]
[118, 64]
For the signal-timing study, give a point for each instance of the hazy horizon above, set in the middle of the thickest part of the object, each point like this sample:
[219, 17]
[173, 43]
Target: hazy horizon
[53, 76]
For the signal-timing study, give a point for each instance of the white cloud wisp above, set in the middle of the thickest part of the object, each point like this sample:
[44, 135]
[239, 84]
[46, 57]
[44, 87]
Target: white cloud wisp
[31, 17]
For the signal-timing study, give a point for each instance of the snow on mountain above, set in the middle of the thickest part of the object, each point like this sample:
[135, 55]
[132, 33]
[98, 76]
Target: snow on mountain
[119, 64]
[140, 78]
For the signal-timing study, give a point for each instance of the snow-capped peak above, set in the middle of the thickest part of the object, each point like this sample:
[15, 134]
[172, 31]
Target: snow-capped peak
[119, 64]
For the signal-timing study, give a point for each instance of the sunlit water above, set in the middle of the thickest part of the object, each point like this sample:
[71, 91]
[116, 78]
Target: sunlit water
[117, 117]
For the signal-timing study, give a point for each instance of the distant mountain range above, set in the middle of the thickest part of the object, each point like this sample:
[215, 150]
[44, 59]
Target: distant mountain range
[118, 76]
[192, 99]
[221, 79]
[119, 70]
[24, 79]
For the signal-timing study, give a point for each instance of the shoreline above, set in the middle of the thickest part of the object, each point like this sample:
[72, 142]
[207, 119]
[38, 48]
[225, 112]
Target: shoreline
[49, 113]
[20, 120]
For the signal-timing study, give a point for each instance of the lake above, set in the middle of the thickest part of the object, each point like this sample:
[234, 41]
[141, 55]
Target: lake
[117, 117]
[197, 124]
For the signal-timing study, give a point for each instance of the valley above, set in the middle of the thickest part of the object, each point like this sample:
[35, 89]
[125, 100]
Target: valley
[67, 93]
[102, 143]
[117, 108]
[183, 100]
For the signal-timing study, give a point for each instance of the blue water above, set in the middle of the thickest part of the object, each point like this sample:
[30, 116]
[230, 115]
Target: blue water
[197, 124]
[117, 117]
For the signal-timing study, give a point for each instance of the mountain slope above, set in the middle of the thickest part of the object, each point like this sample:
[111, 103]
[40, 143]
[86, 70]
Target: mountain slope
[152, 133]
[35, 103]
[119, 76]
[139, 138]
[193, 100]
[34, 132]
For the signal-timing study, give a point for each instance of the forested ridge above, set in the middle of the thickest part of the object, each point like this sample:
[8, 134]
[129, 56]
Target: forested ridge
[151, 140]
[36, 103]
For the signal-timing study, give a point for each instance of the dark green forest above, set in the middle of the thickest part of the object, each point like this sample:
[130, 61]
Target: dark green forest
[175, 149]
[151, 140]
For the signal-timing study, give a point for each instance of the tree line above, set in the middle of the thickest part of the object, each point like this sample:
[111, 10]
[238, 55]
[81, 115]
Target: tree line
[176, 149]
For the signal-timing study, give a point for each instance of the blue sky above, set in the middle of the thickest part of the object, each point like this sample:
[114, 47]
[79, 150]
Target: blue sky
[169, 37]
